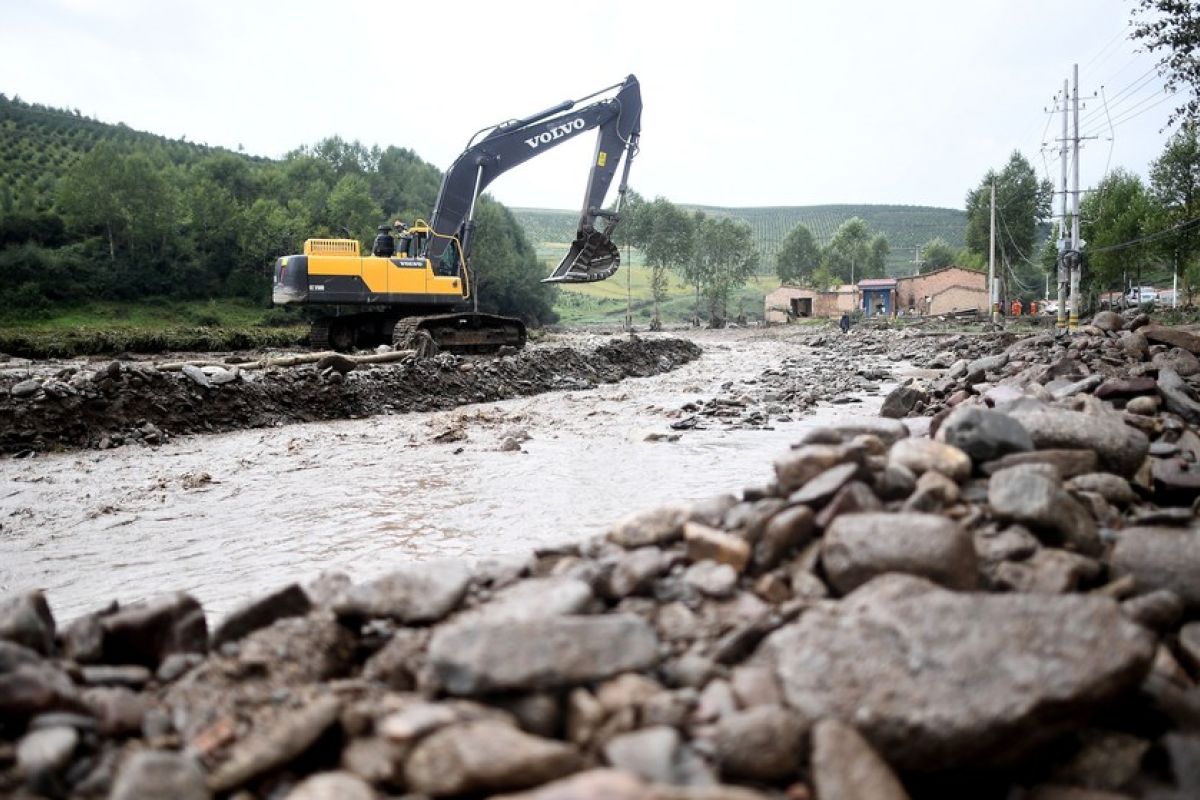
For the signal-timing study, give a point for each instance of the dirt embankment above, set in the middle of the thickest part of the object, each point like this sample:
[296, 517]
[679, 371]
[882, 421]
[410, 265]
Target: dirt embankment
[121, 402]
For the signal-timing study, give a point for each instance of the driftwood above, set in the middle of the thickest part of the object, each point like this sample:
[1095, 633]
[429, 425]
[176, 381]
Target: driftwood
[289, 361]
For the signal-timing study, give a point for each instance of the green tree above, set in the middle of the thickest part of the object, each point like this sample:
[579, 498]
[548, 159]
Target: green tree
[731, 258]
[1172, 28]
[1116, 213]
[668, 246]
[854, 252]
[86, 199]
[505, 269]
[936, 253]
[1175, 184]
[1022, 207]
[799, 256]
[352, 208]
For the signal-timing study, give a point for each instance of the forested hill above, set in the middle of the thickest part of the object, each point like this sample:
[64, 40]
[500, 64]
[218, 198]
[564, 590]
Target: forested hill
[906, 227]
[90, 211]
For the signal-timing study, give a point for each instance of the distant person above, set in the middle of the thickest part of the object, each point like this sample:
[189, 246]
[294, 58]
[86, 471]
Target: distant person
[844, 324]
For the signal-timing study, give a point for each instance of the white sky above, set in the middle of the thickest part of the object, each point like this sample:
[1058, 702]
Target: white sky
[745, 104]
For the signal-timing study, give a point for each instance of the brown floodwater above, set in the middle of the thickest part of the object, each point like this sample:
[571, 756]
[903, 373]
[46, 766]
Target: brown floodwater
[228, 516]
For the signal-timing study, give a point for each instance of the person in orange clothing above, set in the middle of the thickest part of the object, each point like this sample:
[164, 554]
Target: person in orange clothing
[1016, 308]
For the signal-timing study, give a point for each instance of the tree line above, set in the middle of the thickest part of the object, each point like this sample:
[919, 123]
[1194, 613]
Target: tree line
[132, 219]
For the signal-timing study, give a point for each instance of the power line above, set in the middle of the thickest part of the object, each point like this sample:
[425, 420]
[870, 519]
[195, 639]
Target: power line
[1148, 238]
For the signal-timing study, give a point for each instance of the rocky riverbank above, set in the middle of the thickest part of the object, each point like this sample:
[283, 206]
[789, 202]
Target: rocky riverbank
[995, 597]
[107, 404]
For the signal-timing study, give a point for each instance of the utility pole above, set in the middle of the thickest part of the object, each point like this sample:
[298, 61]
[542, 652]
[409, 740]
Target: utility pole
[917, 262]
[1076, 244]
[992, 262]
[1061, 266]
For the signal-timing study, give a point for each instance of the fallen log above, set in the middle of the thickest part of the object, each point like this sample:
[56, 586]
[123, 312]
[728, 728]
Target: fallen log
[289, 361]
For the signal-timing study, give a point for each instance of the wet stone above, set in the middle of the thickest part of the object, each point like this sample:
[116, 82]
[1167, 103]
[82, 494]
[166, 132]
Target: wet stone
[46, 751]
[1120, 448]
[982, 434]
[1160, 610]
[535, 598]
[158, 775]
[787, 530]
[893, 655]
[287, 737]
[923, 455]
[846, 767]
[486, 656]
[1181, 361]
[332, 786]
[711, 579]
[1161, 558]
[485, 756]
[289, 601]
[657, 754]
[822, 487]
[762, 743]
[145, 633]
[419, 593]
[704, 542]
[26, 620]
[1028, 495]
[658, 526]
[859, 547]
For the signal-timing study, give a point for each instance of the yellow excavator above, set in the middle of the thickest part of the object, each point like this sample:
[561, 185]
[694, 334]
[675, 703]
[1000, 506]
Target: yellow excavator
[413, 289]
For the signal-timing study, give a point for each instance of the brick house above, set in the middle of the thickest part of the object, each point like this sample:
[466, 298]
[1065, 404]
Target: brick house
[941, 291]
[790, 302]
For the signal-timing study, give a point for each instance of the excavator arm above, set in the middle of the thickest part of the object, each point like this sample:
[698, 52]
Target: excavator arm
[593, 256]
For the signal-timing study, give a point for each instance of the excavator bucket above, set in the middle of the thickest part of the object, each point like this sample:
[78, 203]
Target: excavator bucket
[592, 257]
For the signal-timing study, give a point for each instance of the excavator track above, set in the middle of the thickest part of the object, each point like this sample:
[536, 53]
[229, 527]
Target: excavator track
[318, 335]
[464, 333]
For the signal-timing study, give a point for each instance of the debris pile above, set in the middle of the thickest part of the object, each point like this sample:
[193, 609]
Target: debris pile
[125, 402]
[1007, 608]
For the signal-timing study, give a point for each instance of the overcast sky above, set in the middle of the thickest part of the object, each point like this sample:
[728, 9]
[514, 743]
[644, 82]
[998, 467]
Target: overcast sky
[746, 104]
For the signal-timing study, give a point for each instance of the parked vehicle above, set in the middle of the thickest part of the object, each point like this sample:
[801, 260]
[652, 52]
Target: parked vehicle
[1146, 294]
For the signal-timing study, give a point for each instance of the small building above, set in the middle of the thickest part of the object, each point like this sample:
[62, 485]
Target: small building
[790, 302]
[878, 297]
[942, 291]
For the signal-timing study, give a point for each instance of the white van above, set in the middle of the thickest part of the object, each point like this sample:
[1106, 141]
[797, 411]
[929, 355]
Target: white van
[1146, 294]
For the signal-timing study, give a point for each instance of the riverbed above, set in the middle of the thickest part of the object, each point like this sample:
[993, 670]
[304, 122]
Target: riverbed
[227, 516]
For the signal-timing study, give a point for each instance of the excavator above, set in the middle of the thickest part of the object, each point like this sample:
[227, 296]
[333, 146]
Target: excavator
[412, 290]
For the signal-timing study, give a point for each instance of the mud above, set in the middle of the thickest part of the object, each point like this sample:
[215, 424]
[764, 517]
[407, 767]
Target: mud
[82, 405]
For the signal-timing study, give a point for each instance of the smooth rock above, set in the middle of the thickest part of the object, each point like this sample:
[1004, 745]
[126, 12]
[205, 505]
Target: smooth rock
[1174, 337]
[902, 401]
[1189, 644]
[596, 784]
[824, 485]
[290, 601]
[711, 543]
[480, 657]
[1135, 346]
[1160, 610]
[46, 751]
[922, 455]
[895, 655]
[332, 786]
[1177, 395]
[889, 431]
[33, 688]
[1121, 449]
[26, 620]
[147, 632]
[1126, 387]
[1145, 406]
[978, 369]
[761, 743]
[846, 767]
[118, 710]
[1179, 360]
[983, 434]
[1112, 488]
[535, 598]
[790, 529]
[1069, 463]
[801, 465]
[1108, 321]
[658, 526]
[1161, 558]
[1026, 494]
[197, 376]
[711, 579]
[858, 547]
[485, 756]
[25, 388]
[417, 593]
[287, 737]
[635, 572]
[159, 775]
[657, 754]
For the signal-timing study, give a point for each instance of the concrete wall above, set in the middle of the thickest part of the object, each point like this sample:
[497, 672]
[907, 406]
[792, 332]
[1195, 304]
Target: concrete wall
[824, 304]
[942, 290]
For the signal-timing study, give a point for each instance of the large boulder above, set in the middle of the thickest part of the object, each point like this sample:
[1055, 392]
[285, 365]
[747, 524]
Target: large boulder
[1161, 558]
[859, 547]
[984, 434]
[147, 632]
[1121, 449]
[488, 656]
[26, 620]
[938, 679]
[417, 593]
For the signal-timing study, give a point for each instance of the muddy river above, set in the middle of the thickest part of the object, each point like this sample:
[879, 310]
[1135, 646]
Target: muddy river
[227, 516]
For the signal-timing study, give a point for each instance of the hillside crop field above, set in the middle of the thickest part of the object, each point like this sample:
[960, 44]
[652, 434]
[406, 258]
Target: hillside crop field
[906, 227]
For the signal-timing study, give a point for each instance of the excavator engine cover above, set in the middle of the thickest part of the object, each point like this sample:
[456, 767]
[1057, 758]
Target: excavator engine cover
[592, 257]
